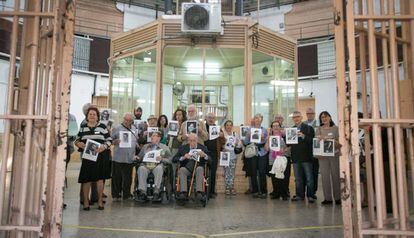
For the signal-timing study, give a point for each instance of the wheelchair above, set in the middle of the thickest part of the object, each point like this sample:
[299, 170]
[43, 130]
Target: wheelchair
[191, 183]
[166, 188]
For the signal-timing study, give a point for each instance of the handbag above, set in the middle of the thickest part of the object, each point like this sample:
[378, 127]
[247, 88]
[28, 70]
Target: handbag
[250, 151]
[238, 150]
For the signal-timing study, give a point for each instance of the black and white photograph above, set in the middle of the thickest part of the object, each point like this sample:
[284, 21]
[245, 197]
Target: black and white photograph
[274, 142]
[244, 130]
[125, 138]
[106, 116]
[91, 150]
[224, 159]
[151, 156]
[139, 125]
[194, 154]
[214, 132]
[150, 131]
[191, 127]
[173, 128]
[317, 146]
[328, 147]
[291, 136]
[230, 143]
[255, 135]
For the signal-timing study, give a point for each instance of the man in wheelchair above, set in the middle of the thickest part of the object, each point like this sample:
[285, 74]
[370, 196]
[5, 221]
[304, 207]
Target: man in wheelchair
[153, 156]
[192, 156]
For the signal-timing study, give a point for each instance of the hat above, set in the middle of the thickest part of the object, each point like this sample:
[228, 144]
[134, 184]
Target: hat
[152, 117]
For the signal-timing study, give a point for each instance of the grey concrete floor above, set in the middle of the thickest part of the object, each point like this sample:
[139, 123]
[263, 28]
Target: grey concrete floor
[239, 216]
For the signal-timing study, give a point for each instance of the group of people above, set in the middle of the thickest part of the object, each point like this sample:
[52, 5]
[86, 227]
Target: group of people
[177, 150]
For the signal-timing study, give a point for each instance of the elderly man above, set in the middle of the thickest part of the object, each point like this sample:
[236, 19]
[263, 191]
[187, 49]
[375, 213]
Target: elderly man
[201, 132]
[302, 158]
[186, 157]
[311, 121]
[212, 148]
[279, 118]
[123, 158]
[158, 170]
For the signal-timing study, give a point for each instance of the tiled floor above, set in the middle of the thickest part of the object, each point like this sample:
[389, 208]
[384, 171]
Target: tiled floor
[239, 216]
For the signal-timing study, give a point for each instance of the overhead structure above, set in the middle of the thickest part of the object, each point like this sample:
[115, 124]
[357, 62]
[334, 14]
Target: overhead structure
[368, 34]
[33, 145]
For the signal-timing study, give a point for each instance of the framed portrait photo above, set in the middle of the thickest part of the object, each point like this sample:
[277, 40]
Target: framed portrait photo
[91, 150]
[274, 143]
[173, 128]
[125, 138]
[191, 127]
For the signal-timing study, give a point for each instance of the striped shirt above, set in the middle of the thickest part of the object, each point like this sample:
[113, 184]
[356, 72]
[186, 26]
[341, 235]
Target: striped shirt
[99, 134]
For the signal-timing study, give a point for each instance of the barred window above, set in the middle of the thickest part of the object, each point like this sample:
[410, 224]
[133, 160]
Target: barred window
[81, 53]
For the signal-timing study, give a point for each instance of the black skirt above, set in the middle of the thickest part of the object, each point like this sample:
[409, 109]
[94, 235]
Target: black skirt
[93, 171]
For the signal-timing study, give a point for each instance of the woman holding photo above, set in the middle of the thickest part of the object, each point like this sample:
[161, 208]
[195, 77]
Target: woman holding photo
[232, 140]
[259, 163]
[162, 125]
[280, 186]
[101, 169]
[329, 165]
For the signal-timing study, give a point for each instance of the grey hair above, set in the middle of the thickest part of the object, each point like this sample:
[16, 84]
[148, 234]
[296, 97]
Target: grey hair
[258, 115]
[128, 114]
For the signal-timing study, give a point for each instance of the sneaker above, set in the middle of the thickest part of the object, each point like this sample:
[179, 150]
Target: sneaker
[326, 202]
[311, 200]
[233, 193]
[338, 202]
[227, 192]
[263, 195]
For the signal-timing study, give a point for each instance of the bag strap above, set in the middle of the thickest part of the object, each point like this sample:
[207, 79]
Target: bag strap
[130, 131]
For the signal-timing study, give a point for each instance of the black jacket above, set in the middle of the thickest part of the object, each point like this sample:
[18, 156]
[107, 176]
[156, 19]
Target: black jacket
[211, 145]
[303, 151]
[184, 149]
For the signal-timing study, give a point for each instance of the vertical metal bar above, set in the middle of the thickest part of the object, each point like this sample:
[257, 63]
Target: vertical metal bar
[389, 115]
[411, 77]
[397, 127]
[7, 122]
[248, 76]
[367, 140]
[203, 85]
[345, 174]
[376, 133]
[29, 123]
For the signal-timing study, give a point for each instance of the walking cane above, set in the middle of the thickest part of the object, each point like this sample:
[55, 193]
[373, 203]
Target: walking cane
[192, 179]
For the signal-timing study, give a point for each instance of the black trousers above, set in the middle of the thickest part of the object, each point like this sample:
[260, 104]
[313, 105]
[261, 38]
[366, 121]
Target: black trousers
[260, 167]
[213, 173]
[121, 179]
[281, 186]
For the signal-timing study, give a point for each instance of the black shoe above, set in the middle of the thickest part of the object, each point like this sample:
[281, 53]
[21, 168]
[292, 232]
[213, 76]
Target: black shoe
[87, 208]
[263, 195]
[156, 196]
[182, 196]
[101, 208]
[296, 198]
[274, 197]
[255, 195]
[285, 198]
[272, 194]
[338, 202]
[326, 202]
[142, 196]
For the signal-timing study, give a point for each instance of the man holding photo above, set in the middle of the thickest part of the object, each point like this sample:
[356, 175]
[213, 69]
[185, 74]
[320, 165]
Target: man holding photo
[302, 158]
[123, 158]
[202, 134]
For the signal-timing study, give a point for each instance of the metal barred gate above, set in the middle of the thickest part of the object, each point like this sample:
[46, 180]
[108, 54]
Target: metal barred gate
[33, 145]
[375, 68]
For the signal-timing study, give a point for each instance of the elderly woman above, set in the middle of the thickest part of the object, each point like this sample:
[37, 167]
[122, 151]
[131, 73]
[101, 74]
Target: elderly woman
[329, 165]
[280, 186]
[259, 163]
[94, 171]
[232, 140]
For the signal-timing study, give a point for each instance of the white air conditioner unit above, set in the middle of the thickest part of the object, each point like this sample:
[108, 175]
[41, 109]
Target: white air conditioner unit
[201, 18]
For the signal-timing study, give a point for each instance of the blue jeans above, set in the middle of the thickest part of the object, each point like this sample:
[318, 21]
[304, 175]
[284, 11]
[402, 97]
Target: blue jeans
[304, 174]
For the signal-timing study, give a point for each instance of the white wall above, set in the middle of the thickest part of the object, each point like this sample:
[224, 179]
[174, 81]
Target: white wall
[4, 75]
[135, 16]
[324, 92]
[80, 93]
[272, 18]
